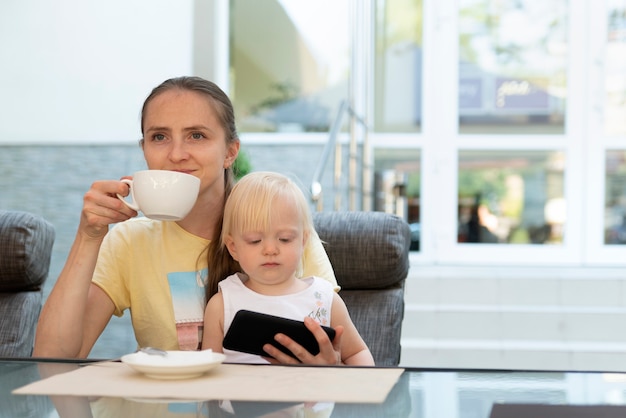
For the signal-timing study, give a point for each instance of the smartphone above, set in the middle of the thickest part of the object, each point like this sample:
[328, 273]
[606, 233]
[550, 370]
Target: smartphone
[250, 331]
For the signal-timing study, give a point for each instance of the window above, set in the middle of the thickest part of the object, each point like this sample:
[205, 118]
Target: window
[615, 198]
[512, 197]
[398, 66]
[512, 66]
[615, 69]
[289, 63]
[397, 186]
[482, 116]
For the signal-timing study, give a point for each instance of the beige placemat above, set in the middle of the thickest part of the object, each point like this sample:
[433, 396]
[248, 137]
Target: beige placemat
[236, 382]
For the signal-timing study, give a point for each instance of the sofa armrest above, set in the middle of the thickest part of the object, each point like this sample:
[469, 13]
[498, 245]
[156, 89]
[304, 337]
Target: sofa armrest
[26, 242]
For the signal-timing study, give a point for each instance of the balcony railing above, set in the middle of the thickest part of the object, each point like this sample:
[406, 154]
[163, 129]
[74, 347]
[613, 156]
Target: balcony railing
[359, 167]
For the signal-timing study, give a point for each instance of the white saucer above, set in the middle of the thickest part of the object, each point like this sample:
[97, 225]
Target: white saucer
[175, 365]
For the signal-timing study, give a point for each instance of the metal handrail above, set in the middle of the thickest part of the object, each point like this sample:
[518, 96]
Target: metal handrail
[316, 185]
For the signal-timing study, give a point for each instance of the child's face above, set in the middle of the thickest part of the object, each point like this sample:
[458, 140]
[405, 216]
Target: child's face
[272, 256]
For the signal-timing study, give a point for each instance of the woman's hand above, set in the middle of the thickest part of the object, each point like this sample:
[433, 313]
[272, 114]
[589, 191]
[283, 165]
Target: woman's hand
[101, 207]
[330, 351]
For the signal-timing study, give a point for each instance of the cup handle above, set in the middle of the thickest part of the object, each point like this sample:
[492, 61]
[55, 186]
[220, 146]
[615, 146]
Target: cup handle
[132, 205]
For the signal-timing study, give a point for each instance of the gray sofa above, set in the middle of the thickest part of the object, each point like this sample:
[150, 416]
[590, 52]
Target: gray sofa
[26, 242]
[369, 252]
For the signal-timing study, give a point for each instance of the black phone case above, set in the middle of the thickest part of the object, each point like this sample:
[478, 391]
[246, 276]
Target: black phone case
[250, 331]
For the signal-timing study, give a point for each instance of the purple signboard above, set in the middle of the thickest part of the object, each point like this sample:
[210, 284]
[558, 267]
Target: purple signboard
[519, 94]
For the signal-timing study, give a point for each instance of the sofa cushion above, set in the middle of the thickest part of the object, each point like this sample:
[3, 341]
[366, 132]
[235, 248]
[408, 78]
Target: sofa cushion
[26, 242]
[368, 250]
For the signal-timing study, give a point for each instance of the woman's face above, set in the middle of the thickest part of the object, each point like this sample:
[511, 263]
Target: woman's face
[182, 133]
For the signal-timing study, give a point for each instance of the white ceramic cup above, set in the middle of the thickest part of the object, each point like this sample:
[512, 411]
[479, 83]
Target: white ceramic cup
[162, 194]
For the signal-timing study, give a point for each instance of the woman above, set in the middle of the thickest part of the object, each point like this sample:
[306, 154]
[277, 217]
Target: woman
[154, 268]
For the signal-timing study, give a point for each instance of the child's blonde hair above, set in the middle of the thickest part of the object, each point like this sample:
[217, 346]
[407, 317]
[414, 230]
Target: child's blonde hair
[249, 206]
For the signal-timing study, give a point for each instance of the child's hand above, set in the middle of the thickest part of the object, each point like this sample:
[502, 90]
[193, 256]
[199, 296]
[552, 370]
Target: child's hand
[330, 351]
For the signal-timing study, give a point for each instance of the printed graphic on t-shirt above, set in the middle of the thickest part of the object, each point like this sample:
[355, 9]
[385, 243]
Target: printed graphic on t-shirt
[320, 313]
[187, 289]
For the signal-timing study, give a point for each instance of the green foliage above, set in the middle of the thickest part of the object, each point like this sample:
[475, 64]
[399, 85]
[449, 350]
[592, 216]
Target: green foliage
[242, 165]
[282, 93]
[413, 184]
[485, 182]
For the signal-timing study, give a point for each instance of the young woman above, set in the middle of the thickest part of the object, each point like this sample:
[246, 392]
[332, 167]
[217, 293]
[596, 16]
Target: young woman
[157, 269]
[267, 227]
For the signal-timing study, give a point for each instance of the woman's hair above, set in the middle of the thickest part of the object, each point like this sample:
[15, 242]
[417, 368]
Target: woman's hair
[250, 207]
[219, 260]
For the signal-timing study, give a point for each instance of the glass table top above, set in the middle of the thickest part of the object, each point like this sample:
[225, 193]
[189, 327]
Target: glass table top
[426, 393]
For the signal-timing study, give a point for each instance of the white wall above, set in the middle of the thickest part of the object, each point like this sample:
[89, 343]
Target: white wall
[78, 71]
